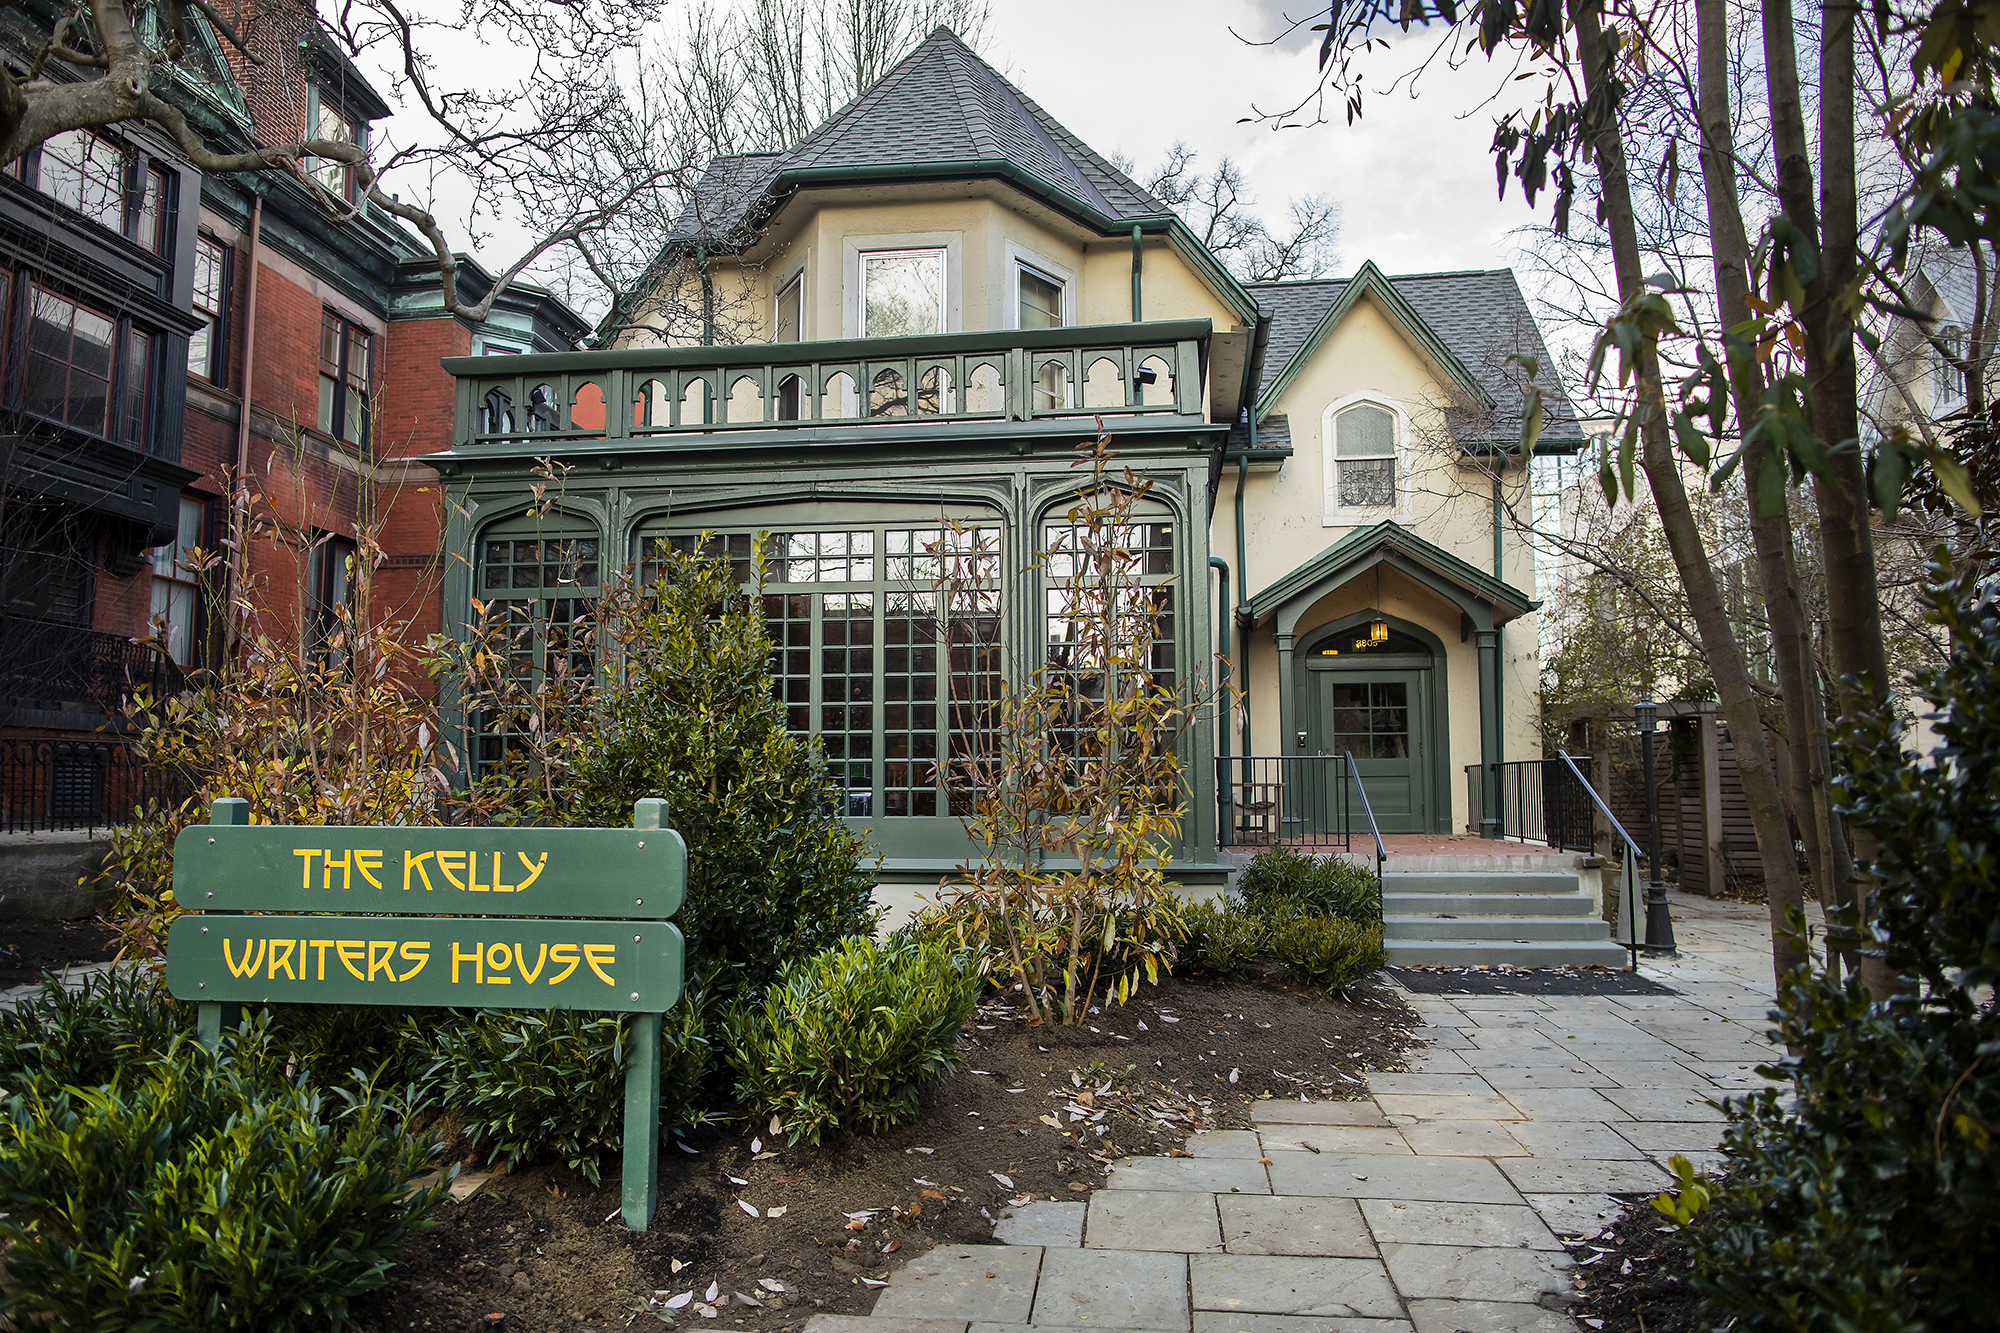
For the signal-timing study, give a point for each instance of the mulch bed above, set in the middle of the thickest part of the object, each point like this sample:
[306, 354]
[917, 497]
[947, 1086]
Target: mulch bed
[30, 948]
[1633, 1278]
[1039, 1113]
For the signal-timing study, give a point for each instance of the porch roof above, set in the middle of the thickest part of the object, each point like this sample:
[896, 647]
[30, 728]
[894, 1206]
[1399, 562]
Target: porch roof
[1487, 600]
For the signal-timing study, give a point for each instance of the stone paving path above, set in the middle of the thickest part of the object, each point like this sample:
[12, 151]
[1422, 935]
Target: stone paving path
[1433, 1206]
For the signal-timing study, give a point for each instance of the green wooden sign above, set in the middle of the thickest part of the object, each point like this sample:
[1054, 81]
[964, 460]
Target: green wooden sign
[635, 873]
[494, 918]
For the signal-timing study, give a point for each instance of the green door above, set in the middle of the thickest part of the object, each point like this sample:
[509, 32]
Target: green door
[1378, 717]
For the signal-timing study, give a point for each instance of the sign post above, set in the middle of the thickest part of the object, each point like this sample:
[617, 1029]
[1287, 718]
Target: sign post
[492, 918]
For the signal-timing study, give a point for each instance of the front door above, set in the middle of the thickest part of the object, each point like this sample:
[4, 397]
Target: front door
[1378, 717]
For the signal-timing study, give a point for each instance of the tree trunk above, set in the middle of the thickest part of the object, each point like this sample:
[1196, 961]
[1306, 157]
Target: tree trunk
[1777, 569]
[1684, 543]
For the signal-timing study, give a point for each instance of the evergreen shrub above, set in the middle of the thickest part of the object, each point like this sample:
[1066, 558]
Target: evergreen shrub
[1320, 886]
[202, 1192]
[853, 1037]
[1869, 1198]
[117, 1021]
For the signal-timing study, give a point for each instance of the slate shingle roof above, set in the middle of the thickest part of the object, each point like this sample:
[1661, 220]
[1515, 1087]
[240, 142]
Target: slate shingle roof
[1480, 315]
[941, 103]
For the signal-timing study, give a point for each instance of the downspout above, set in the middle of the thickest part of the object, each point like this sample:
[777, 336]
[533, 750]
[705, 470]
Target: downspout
[707, 297]
[1242, 577]
[1500, 641]
[1138, 269]
[1227, 826]
[239, 555]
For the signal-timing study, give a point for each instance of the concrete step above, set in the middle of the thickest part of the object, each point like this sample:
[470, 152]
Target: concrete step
[1504, 929]
[1489, 904]
[1499, 953]
[1479, 882]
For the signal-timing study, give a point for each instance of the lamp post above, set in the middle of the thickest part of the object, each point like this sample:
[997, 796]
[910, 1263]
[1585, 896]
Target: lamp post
[1659, 922]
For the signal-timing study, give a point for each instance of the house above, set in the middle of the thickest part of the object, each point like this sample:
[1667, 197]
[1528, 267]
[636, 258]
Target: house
[179, 298]
[892, 336]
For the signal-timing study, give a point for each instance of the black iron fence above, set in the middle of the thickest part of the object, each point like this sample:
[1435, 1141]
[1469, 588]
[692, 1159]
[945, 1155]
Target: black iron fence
[49, 666]
[1539, 800]
[79, 784]
[1303, 800]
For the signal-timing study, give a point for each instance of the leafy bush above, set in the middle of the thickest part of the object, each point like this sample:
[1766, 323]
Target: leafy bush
[121, 1020]
[538, 1085]
[1228, 938]
[1872, 1202]
[211, 1195]
[1222, 939]
[1323, 886]
[853, 1037]
[773, 872]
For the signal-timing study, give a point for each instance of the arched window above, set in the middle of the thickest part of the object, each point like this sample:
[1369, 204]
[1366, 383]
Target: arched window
[1364, 457]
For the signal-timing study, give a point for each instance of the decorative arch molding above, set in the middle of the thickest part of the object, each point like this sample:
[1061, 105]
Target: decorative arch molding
[1335, 515]
[1434, 685]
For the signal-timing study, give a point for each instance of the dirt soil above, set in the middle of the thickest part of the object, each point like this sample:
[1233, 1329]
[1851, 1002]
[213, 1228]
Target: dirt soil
[29, 948]
[1634, 1277]
[761, 1236]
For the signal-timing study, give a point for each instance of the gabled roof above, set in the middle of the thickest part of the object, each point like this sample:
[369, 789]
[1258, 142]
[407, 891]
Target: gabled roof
[1470, 322]
[1391, 543]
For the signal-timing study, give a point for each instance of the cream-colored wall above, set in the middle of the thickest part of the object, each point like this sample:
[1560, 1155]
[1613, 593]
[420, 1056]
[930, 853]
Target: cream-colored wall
[1449, 505]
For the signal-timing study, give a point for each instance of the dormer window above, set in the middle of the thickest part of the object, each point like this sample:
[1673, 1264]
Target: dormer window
[334, 126]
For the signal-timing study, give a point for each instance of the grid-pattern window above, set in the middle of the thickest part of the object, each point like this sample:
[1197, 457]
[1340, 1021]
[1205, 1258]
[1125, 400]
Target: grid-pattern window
[885, 645]
[177, 584]
[1364, 458]
[71, 350]
[545, 583]
[345, 351]
[1142, 567]
[86, 172]
[211, 298]
[1371, 719]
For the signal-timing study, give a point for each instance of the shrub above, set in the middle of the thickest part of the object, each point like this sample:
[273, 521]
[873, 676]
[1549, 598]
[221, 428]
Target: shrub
[773, 872]
[211, 1195]
[1222, 939]
[852, 1038]
[534, 1086]
[1871, 1199]
[121, 1020]
[1328, 953]
[1322, 886]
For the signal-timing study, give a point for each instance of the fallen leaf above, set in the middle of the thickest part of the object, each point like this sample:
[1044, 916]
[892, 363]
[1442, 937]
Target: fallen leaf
[1005, 1181]
[741, 1299]
[613, 1213]
[777, 1126]
[917, 1209]
[673, 1265]
[749, 1208]
[858, 1224]
[756, 1145]
[892, 1247]
[928, 1194]
[1078, 1185]
[684, 1148]
[874, 1282]
[763, 1157]
[779, 1211]
[1179, 1152]
[925, 1151]
[680, 1301]
[1265, 1161]
[713, 1288]
[771, 1284]
[738, 1180]
[705, 1311]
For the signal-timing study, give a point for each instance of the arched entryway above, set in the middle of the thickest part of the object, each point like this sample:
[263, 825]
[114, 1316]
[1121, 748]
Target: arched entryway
[1380, 697]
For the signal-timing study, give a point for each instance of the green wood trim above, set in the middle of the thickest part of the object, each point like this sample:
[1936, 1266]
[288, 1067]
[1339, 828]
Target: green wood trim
[1429, 563]
[1371, 280]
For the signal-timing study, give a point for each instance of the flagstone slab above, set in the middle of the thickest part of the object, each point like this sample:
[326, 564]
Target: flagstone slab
[854, 1323]
[1045, 1223]
[1130, 1289]
[1201, 1175]
[1334, 1138]
[1357, 1176]
[1181, 1221]
[1589, 1140]
[1328, 1227]
[1662, 1104]
[1550, 1175]
[1463, 1138]
[1487, 1317]
[1565, 1104]
[1226, 1143]
[1360, 1112]
[965, 1282]
[1447, 1084]
[1222, 1321]
[1556, 1074]
[1466, 1272]
[1395, 1222]
[1585, 1215]
[1488, 1105]
[1272, 1284]
[1671, 1136]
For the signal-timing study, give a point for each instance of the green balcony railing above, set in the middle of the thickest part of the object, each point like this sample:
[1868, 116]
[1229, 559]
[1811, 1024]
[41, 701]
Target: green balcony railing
[639, 393]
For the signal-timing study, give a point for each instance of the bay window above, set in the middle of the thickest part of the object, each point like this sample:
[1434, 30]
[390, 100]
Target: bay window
[71, 351]
[902, 292]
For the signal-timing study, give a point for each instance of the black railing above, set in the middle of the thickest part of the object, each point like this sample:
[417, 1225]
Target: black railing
[81, 784]
[1303, 800]
[1374, 829]
[1540, 800]
[49, 666]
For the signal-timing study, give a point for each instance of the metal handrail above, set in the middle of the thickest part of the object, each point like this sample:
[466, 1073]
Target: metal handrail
[1611, 818]
[1381, 852]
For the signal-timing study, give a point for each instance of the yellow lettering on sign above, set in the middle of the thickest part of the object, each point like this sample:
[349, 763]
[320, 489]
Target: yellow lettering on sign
[595, 954]
[499, 958]
[564, 953]
[477, 958]
[380, 952]
[472, 884]
[281, 957]
[306, 875]
[451, 863]
[352, 953]
[328, 865]
[521, 962]
[368, 862]
[500, 885]
[534, 871]
[421, 956]
[416, 863]
[251, 962]
[322, 946]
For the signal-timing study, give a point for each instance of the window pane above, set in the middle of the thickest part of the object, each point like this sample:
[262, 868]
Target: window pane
[198, 345]
[791, 311]
[1364, 432]
[1041, 301]
[68, 372]
[86, 173]
[902, 293]
[327, 391]
[1370, 483]
[329, 344]
[153, 212]
[138, 386]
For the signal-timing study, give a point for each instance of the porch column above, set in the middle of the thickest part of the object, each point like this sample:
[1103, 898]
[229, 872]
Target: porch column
[1288, 743]
[1489, 729]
